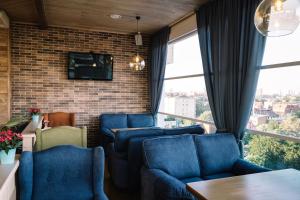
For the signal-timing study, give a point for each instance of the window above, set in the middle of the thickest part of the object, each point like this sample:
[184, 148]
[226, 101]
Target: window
[184, 93]
[277, 103]
[276, 109]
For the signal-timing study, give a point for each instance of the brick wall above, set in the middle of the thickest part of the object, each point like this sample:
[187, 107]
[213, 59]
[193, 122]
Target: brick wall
[39, 74]
[4, 76]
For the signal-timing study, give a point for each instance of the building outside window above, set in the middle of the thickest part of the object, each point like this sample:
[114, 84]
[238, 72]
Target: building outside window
[276, 108]
[184, 92]
[273, 133]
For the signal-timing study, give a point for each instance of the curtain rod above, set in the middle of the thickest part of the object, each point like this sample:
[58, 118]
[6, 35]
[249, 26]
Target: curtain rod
[182, 18]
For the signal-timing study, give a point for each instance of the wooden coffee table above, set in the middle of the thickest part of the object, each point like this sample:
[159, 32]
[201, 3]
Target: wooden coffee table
[274, 185]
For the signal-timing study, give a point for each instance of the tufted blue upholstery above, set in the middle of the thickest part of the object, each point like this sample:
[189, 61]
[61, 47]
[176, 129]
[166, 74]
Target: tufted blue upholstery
[62, 172]
[123, 136]
[111, 121]
[170, 162]
[160, 153]
[217, 153]
[125, 154]
[140, 120]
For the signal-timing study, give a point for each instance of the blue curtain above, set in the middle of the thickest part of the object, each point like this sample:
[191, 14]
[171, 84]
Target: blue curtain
[232, 51]
[158, 66]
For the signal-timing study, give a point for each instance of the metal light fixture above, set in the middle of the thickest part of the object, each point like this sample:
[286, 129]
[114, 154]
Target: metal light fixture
[275, 18]
[137, 63]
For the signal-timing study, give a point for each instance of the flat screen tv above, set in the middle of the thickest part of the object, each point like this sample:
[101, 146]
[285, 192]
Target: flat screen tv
[90, 66]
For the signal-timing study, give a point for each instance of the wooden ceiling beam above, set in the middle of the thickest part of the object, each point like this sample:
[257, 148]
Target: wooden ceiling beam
[42, 20]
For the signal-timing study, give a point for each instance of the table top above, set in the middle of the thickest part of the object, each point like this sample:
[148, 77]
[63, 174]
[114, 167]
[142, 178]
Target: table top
[274, 185]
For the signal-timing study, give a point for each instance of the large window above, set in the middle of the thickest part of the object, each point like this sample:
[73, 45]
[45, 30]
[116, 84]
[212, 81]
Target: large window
[277, 103]
[276, 110]
[184, 92]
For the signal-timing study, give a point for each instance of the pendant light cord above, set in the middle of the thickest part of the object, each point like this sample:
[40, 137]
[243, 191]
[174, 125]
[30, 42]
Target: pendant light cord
[137, 30]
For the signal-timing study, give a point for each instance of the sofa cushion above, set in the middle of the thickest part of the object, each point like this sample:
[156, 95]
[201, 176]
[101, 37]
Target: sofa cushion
[122, 136]
[190, 180]
[220, 175]
[113, 121]
[140, 120]
[59, 177]
[217, 153]
[175, 155]
[196, 129]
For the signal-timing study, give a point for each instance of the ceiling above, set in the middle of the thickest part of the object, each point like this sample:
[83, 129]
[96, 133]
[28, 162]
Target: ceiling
[95, 14]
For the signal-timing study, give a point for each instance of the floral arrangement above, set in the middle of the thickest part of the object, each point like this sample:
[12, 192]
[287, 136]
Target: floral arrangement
[34, 111]
[10, 140]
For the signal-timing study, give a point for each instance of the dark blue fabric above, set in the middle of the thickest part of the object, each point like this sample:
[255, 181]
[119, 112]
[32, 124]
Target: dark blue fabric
[220, 175]
[217, 153]
[232, 51]
[242, 167]
[134, 156]
[113, 121]
[190, 180]
[26, 176]
[121, 121]
[140, 120]
[62, 172]
[175, 155]
[158, 185]
[118, 167]
[158, 65]
[135, 160]
[218, 157]
[196, 129]
[122, 136]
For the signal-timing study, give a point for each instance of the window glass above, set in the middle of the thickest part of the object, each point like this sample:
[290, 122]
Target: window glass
[186, 97]
[277, 103]
[184, 57]
[282, 49]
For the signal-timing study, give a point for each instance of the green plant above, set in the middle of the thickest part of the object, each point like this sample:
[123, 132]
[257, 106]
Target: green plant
[13, 124]
[10, 140]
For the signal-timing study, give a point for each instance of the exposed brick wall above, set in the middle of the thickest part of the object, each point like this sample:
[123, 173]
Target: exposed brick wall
[4, 75]
[39, 74]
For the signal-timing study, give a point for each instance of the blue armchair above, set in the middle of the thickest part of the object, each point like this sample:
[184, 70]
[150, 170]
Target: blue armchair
[171, 162]
[62, 172]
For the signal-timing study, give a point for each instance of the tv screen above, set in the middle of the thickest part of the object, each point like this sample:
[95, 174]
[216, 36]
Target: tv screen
[90, 66]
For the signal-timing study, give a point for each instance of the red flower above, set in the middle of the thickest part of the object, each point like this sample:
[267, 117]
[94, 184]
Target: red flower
[34, 111]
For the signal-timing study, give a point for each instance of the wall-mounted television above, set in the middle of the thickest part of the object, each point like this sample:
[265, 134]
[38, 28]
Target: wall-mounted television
[90, 66]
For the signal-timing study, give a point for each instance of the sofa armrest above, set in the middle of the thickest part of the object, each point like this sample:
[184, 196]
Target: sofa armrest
[163, 186]
[242, 167]
[107, 132]
[26, 176]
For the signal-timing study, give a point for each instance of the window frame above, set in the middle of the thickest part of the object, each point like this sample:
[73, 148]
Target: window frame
[185, 77]
[262, 67]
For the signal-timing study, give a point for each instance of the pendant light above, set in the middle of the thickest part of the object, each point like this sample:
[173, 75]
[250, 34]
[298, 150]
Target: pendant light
[275, 18]
[137, 63]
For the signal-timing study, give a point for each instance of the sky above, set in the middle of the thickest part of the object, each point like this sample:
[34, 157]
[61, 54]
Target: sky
[187, 60]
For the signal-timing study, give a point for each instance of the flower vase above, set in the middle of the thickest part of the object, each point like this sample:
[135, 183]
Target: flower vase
[35, 118]
[7, 158]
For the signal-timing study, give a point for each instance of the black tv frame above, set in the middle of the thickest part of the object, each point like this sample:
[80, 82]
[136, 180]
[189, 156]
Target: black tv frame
[105, 54]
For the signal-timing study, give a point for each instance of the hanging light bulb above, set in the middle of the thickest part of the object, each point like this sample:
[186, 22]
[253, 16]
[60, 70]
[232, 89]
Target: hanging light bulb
[137, 63]
[277, 17]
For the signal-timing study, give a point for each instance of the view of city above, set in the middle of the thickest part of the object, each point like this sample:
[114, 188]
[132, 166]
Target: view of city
[276, 108]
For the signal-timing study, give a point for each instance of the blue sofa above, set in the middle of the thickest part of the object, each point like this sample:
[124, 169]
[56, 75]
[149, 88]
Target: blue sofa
[62, 172]
[125, 157]
[171, 162]
[111, 121]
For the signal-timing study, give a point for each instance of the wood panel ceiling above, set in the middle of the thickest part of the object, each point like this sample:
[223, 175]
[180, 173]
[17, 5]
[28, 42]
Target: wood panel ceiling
[95, 14]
